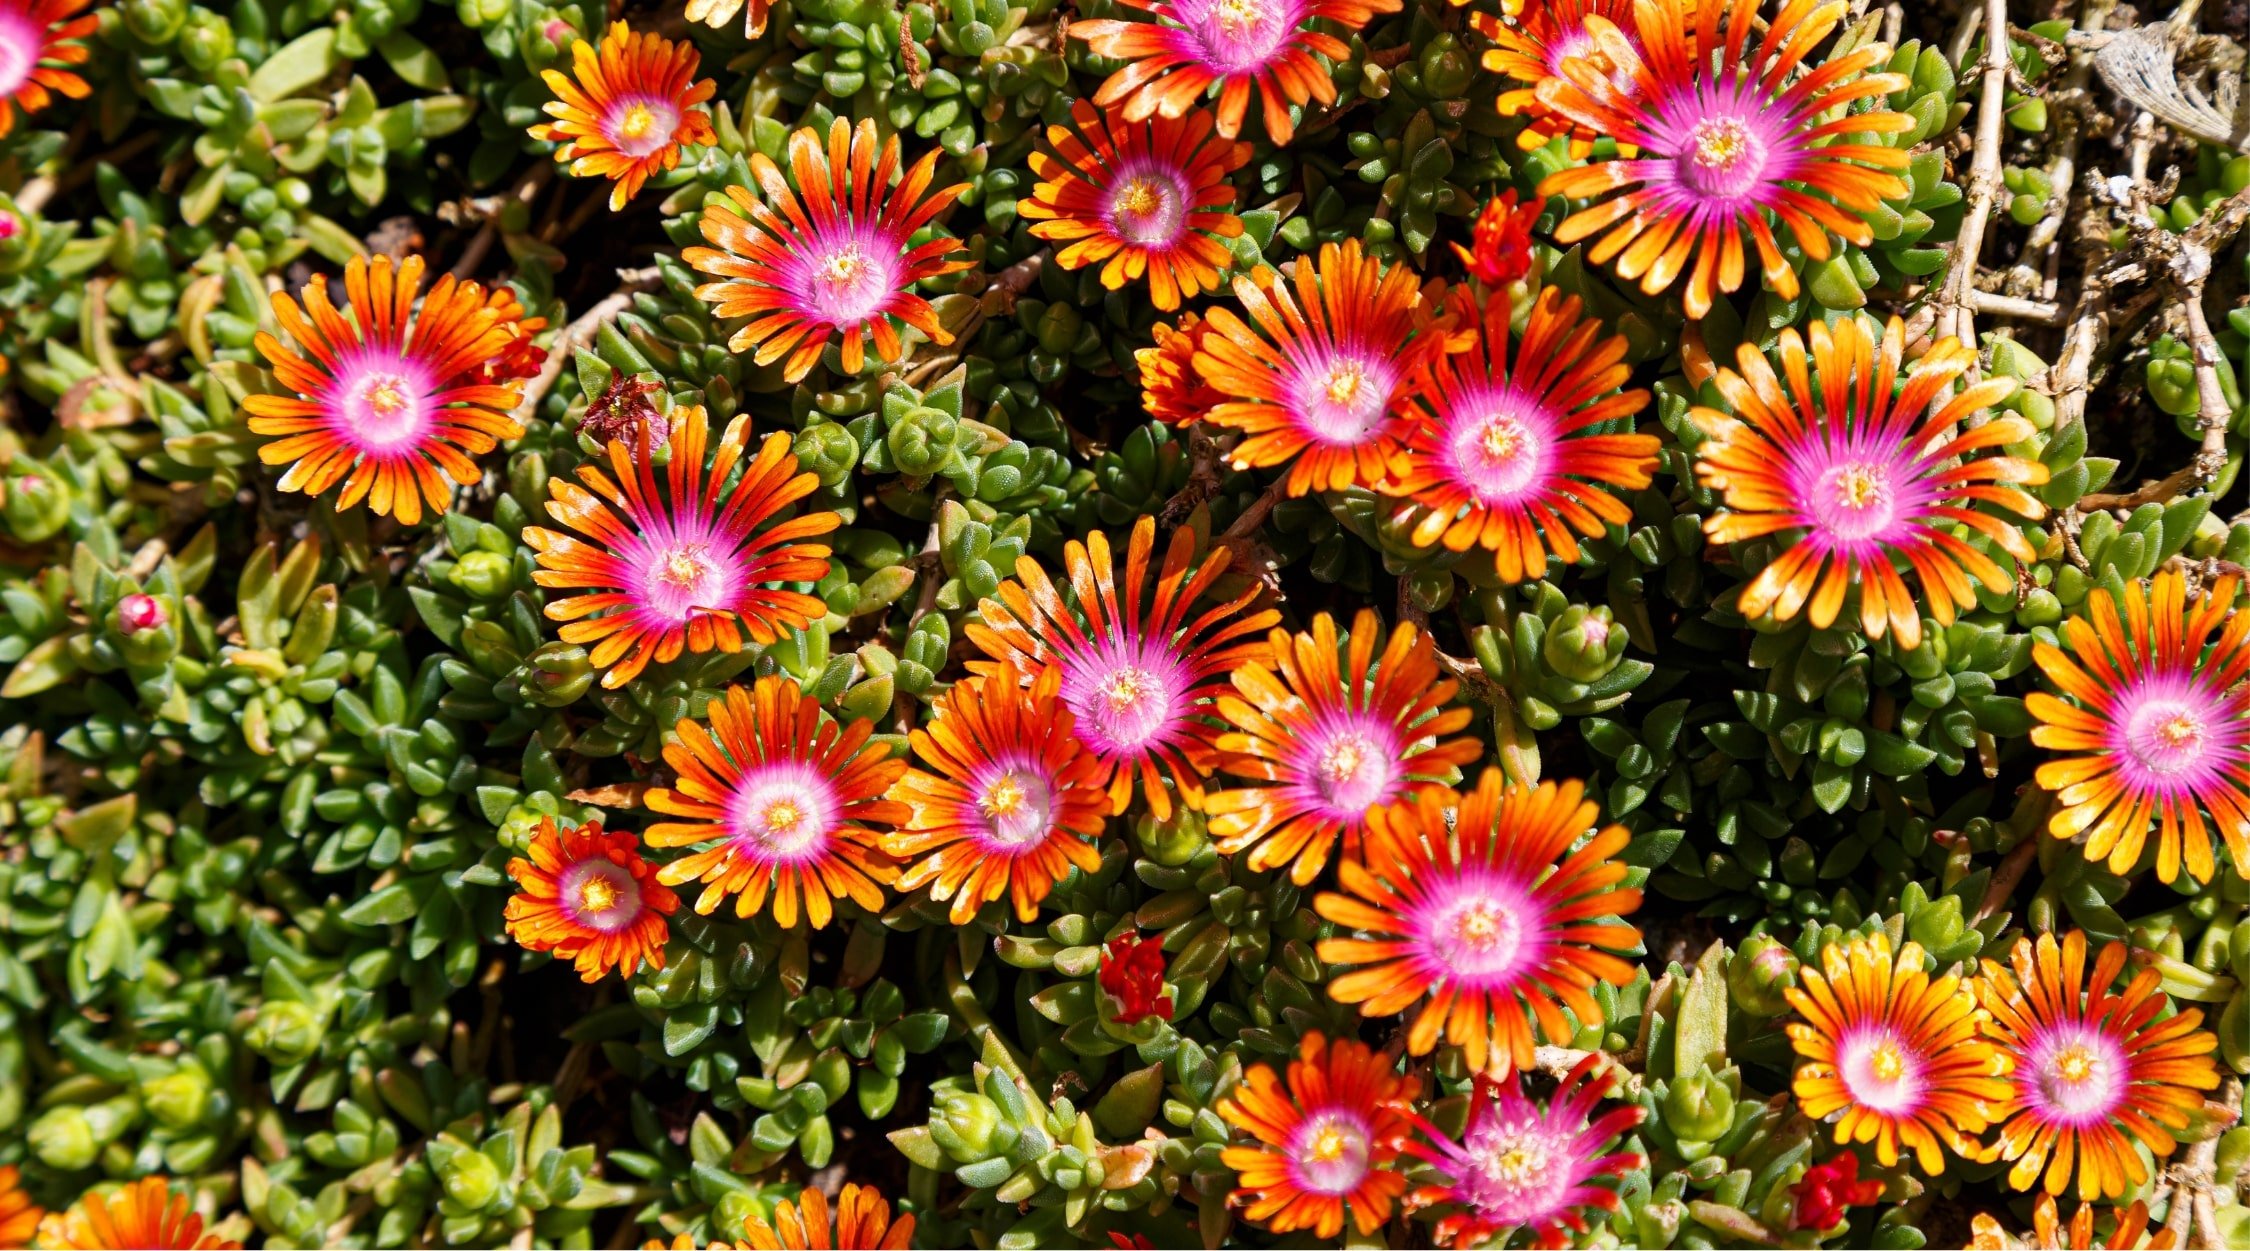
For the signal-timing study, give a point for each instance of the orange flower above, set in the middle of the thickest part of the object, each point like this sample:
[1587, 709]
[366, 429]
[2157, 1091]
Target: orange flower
[1722, 148]
[689, 568]
[1320, 383]
[38, 38]
[1513, 457]
[1499, 250]
[717, 13]
[1478, 916]
[787, 794]
[1534, 49]
[863, 1223]
[1862, 474]
[588, 897]
[1895, 1051]
[1171, 389]
[1138, 674]
[1327, 1144]
[19, 1216]
[840, 260]
[635, 104]
[1009, 800]
[686, 1242]
[142, 1215]
[2131, 1233]
[1333, 742]
[394, 397]
[1145, 197]
[2095, 1071]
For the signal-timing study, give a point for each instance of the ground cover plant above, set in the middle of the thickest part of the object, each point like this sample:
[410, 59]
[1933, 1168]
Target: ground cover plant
[1123, 623]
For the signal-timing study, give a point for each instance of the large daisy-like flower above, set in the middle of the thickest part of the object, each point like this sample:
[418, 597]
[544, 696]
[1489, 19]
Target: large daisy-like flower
[588, 897]
[1482, 920]
[1138, 674]
[140, 1215]
[1327, 1143]
[839, 260]
[1719, 148]
[1319, 382]
[1144, 197]
[786, 798]
[1895, 1051]
[2048, 1233]
[19, 1216]
[1007, 799]
[2095, 1070]
[1864, 475]
[38, 42]
[392, 396]
[2156, 728]
[862, 1222]
[687, 567]
[1508, 459]
[1330, 735]
[1240, 45]
[1532, 48]
[1521, 1166]
[635, 104]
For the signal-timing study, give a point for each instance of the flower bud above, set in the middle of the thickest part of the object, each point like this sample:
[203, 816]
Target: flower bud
[1584, 644]
[1175, 842]
[206, 40]
[556, 674]
[1758, 974]
[285, 1031]
[138, 614]
[920, 441]
[36, 507]
[969, 1127]
[153, 21]
[179, 1099]
[470, 1178]
[1699, 1107]
[485, 575]
[63, 1139]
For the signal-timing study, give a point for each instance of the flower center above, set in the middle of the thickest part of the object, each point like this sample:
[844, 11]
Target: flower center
[687, 566]
[1126, 695]
[1721, 143]
[20, 44]
[1879, 1072]
[1857, 500]
[1354, 770]
[2079, 1076]
[385, 409]
[1516, 1173]
[1344, 381]
[1340, 400]
[1018, 807]
[2170, 737]
[1478, 936]
[1330, 1153]
[597, 895]
[1723, 157]
[1237, 16]
[642, 127]
[1149, 208]
[845, 281]
[1499, 456]
[600, 895]
[781, 812]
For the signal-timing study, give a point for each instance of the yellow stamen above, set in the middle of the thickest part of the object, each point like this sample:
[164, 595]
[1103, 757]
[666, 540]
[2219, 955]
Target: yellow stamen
[1501, 440]
[1720, 143]
[640, 119]
[1236, 16]
[597, 894]
[1142, 197]
[1858, 487]
[2180, 731]
[1004, 796]
[1516, 1164]
[782, 816]
[1328, 1145]
[685, 567]
[843, 268]
[1477, 926]
[1887, 1064]
[388, 397]
[1344, 381]
[2075, 1065]
[1125, 688]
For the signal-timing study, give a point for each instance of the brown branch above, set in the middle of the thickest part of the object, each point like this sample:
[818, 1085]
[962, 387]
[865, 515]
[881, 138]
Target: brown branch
[489, 208]
[1254, 516]
[1956, 314]
[2005, 878]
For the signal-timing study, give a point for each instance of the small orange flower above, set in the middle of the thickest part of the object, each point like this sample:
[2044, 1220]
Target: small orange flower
[635, 104]
[1144, 197]
[19, 1216]
[1895, 1052]
[862, 1223]
[587, 896]
[2131, 1233]
[1328, 1144]
[142, 1215]
[1009, 800]
[394, 397]
[38, 39]
[787, 794]
[1171, 389]
[1499, 250]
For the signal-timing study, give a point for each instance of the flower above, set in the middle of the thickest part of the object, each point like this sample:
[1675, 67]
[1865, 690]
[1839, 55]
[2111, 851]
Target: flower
[2095, 1070]
[391, 396]
[1133, 975]
[2129, 1234]
[1145, 197]
[1508, 459]
[1719, 149]
[1335, 735]
[788, 800]
[1864, 474]
[620, 412]
[1533, 49]
[2155, 726]
[841, 260]
[138, 614]
[717, 13]
[1500, 242]
[140, 1215]
[1520, 1166]
[1327, 1144]
[1827, 1189]
[688, 568]
[19, 1216]
[862, 1223]
[523, 357]
[1484, 921]
[686, 1242]
[1895, 1051]
[1171, 389]
[635, 105]
[1239, 45]
[1137, 674]
[1319, 383]
[588, 897]
[37, 40]
[1009, 801]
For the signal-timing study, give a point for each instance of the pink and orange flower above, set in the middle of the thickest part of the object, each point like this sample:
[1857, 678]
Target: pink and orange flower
[1533, 49]
[1329, 735]
[2154, 728]
[586, 896]
[1146, 198]
[1327, 1143]
[1171, 389]
[392, 402]
[687, 567]
[1513, 457]
[1499, 250]
[788, 802]
[1480, 918]
[19, 1216]
[39, 43]
[862, 1222]
[140, 1215]
[634, 105]
[840, 260]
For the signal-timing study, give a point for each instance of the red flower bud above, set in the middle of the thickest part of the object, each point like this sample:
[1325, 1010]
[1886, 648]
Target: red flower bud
[1829, 1188]
[1133, 974]
[138, 614]
[1500, 250]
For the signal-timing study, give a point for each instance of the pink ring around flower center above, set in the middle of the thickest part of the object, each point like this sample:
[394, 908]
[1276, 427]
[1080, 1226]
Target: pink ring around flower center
[2173, 733]
[639, 125]
[844, 273]
[2074, 1074]
[1721, 149]
[1149, 202]
[1479, 928]
[21, 41]
[1339, 395]
[599, 895]
[380, 401]
[1348, 762]
[676, 576]
[1517, 1168]
[1499, 444]
[781, 812]
[1328, 1152]
[1879, 1070]
[1127, 694]
[1236, 37]
[1014, 799]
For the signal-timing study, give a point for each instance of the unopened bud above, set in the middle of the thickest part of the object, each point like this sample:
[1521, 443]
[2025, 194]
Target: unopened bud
[1758, 974]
